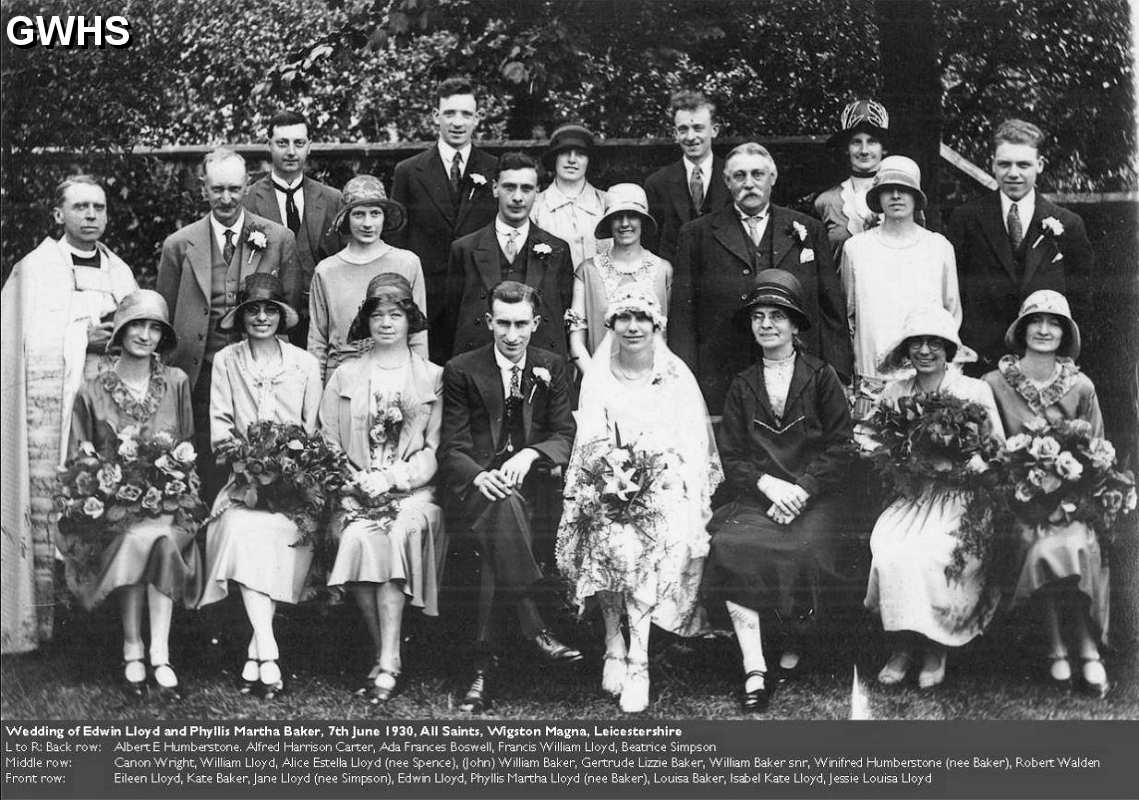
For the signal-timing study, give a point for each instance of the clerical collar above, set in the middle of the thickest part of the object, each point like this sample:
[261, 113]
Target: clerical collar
[85, 255]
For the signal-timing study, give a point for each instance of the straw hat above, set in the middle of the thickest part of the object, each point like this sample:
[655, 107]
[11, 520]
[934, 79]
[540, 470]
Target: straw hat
[368, 190]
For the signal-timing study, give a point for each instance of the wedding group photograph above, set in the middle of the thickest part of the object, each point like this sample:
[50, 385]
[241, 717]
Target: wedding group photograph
[570, 359]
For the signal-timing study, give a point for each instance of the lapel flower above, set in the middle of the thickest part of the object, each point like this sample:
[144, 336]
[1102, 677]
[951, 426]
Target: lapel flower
[806, 254]
[541, 377]
[800, 230]
[1052, 227]
[541, 249]
[478, 179]
[257, 241]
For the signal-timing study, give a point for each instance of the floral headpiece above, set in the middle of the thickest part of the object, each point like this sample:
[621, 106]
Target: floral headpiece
[636, 299]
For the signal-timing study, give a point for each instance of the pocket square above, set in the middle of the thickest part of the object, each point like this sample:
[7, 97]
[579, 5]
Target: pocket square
[1058, 257]
[805, 255]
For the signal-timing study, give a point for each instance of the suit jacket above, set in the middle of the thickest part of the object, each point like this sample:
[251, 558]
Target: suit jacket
[713, 274]
[473, 406]
[423, 187]
[474, 269]
[671, 205]
[184, 279]
[991, 288]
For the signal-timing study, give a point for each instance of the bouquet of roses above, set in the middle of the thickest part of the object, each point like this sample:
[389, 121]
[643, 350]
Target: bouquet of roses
[282, 468]
[134, 476]
[1059, 472]
[375, 494]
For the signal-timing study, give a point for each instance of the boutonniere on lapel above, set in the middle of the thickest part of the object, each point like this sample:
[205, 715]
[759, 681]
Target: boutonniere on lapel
[477, 180]
[799, 231]
[1053, 228]
[541, 377]
[256, 240]
[541, 250]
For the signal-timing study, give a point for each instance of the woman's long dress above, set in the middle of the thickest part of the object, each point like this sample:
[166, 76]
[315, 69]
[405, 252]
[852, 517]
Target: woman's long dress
[410, 549]
[913, 542]
[660, 566]
[253, 547]
[1052, 553]
[152, 551]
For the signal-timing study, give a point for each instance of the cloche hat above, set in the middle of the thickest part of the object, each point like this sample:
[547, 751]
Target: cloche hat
[368, 190]
[144, 304]
[623, 198]
[1046, 301]
[261, 287]
[925, 321]
[779, 288]
[895, 171]
[567, 137]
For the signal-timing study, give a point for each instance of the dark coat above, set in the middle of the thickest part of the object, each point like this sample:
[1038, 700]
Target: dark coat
[474, 269]
[812, 444]
[671, 205]
[715, 271]
[991, 288]
[433, 224]
[473, 406]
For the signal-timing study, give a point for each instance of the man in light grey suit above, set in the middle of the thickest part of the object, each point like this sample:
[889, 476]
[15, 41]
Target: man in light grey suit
[305, 206]
[201, 269]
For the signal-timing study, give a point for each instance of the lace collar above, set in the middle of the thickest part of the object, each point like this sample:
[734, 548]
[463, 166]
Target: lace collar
[138, 409]
[1039, 399]
[614, 276]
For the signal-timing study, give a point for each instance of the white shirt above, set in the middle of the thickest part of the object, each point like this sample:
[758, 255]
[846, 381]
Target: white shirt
[298, 197]
[447, 153]
[506, 369]
[1025, 208]
[219, 231]
[502, 231]
[762, 216]
[705, 168]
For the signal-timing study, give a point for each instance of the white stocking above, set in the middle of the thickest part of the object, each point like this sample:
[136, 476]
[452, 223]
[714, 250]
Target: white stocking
[161, 611]
[260, 608]
[745, 621]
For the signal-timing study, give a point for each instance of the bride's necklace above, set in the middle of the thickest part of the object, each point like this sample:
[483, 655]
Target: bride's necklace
[631, 377]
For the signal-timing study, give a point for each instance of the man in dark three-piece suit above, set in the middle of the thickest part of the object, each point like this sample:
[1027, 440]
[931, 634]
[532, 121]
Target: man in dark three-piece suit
[305, 206]
[510, 248]
[506, 423]
[691, 187]
[718, 258]
[202, 267]
[447, 191]
[1012, 242]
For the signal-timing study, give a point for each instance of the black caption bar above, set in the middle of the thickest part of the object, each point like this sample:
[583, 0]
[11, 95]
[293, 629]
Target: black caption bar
[559, 759]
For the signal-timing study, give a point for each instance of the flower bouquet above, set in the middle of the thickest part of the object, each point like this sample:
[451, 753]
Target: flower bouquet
[386, 425]
[134, 476]
[375, 494]
[1057, 473]
[282, 468]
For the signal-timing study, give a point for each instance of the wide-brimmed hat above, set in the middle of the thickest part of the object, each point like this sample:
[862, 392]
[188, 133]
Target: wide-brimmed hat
[635, 298]
[625, 198]
[779, 288]
[925, 321]
[393, 289]
[144, 304]
[567, 137]
[261, 287]
[896, 171]
[861, 115]
[1046, 301]
[368, 190]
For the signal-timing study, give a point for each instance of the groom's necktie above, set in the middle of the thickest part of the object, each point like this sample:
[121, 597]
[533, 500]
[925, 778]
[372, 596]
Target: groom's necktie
[292, 215]
[696, 189]
[1015, 229]
[456, 172]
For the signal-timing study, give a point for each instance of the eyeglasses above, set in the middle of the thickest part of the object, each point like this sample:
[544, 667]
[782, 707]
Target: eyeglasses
[932, 342]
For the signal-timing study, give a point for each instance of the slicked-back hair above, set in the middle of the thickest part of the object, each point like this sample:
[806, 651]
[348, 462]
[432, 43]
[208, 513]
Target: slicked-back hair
[518, 160]
[287, 117]
[1017, 131]
[515, 292]
[74, 180]
[459, 84]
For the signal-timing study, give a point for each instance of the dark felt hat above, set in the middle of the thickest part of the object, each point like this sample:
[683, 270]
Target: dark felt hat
[565, 138]
[261, 287]
[779, 288]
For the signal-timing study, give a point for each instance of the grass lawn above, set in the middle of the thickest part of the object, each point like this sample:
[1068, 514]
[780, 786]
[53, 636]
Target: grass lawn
[324, 655]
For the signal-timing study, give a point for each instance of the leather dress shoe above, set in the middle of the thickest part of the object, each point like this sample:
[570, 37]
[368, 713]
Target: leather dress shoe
[757, 700]
[554, 651]
[477, 698]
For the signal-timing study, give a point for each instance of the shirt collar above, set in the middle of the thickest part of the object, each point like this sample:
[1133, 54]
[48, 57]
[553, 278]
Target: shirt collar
[278, 180]
[503, 230]
[1025, 206]
[762, 215]
[447, 153]
[505, 364]
[589, 200]
[704, 165]
[219, 229]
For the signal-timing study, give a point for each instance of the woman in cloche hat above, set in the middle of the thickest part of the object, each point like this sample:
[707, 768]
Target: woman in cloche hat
[570, 206]
[262, 377]
[627, 262]
[786, 451]
[913, 541]
[153, 562]
[894, 268]
[1062, 567]
[366, 215]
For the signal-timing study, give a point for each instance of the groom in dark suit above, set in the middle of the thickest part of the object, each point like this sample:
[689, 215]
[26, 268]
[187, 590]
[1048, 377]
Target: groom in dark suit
[718, 259]
[447, 191]
[305, 206]
[1012, 242]
[510, 248]
[691, 187]
[506, 423]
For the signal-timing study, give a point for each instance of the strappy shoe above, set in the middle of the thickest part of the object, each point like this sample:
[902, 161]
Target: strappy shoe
[271, 679]
[369, 682]
[894, 672]
[1094, 676]
[134, 677]
[613, 674]
[166, 679]
[755, 701]
[381, 693]
[635, 691]
[250, 676]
